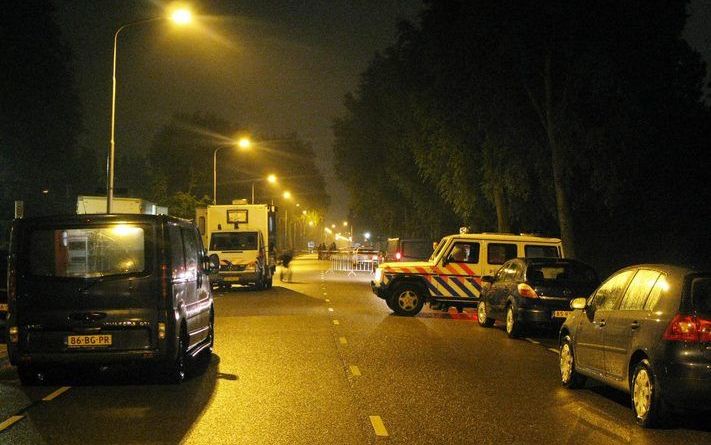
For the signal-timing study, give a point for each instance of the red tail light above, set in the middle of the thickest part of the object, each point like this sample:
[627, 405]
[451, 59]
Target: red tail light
[398, 255]
[164, 281]
[11, 285]
[526, 291]
[688, 328]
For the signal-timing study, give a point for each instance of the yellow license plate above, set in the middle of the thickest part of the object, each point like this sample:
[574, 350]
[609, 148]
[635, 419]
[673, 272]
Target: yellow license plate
[561, 314]
[80, 341]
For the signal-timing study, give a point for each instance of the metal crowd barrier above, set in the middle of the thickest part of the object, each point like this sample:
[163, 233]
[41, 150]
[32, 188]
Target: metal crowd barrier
[352, 262]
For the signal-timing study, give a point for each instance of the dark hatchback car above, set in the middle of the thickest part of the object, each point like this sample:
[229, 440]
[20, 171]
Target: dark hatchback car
[106, 289]
[647, 331]
[534, 292]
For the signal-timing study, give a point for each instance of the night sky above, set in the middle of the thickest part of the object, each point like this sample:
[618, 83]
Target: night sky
[272, 66]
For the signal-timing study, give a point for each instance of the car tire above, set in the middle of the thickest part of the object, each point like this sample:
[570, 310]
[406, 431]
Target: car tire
[407, 299]
[513, 325]
[176, 367]
[484, 321]
[29, 375]
[569, 377]
[647, 403]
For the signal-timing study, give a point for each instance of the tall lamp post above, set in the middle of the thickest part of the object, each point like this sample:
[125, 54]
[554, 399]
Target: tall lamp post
[243, 144]
[180, 16]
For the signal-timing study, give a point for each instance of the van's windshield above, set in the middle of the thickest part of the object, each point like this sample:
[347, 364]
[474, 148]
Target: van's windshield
[223, 241]
[86, 252]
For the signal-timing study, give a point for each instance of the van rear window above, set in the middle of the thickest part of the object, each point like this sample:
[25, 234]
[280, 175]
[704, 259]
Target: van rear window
[233, 241]
[87, 252]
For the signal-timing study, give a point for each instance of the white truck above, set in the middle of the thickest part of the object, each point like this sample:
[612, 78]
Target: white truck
[97, 204]
[244, 236]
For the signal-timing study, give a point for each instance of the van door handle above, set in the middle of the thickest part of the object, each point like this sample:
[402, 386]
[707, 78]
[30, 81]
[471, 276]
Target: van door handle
[634, 325]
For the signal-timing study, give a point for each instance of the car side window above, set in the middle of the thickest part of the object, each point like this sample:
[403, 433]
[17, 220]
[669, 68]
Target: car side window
[660, 286]
[191, 253]
[176, 252]
[464, 252]
[639, 289]
[611, 291]
[499, 253]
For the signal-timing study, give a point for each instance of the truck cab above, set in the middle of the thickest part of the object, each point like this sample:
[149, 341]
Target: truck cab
[451, 277]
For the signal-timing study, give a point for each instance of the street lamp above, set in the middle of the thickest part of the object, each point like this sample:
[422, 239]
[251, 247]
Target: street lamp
[242, 144]
[272, 179]
[180, 16]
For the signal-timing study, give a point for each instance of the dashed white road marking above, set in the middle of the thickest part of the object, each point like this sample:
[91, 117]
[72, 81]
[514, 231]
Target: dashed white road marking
[355, 371]
[554, 350]
[9, 422]
[378, 426]
[336, 322]
[56, 393]
[343, 340]
[533, 341]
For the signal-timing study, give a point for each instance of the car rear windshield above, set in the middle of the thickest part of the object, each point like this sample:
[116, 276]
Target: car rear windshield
[87, 252]
[233, 241]
[701, 295]
[564, 273]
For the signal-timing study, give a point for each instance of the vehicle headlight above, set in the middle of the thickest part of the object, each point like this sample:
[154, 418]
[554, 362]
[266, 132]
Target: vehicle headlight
[378, 274]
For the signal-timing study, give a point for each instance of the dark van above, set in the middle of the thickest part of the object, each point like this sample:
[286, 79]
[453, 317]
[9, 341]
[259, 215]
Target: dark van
[107, 289]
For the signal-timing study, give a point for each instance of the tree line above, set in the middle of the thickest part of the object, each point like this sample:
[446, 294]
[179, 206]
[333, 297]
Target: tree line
[580, 119]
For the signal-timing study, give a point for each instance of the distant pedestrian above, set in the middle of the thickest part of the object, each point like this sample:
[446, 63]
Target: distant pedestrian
[286, 258]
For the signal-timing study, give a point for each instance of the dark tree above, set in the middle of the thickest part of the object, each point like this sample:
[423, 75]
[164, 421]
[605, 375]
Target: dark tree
[39, 113]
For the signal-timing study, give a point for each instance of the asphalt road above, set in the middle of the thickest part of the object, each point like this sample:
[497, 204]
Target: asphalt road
[321, 360]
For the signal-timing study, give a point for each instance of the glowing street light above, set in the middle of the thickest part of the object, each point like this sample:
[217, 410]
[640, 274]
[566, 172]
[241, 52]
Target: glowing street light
[366, 235]
[243, 144]
[180, 16]
[287, 195]
[272, 179]
[345, 223]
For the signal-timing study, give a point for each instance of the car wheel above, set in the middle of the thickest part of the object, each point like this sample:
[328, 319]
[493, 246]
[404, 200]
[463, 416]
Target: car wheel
[407, 300]
[569, 377]
[513, 326]
[29, 375]
[481, 317]
[647, 403]
[175, 369]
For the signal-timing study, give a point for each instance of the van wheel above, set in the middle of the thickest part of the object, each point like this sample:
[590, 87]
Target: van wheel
[175, 368]
[29, 375]
[569, 377]
[407, 299]
[513, 326]
[481, 317]
[647, 402]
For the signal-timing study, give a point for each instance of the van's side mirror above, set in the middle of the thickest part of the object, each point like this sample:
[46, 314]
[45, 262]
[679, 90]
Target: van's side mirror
[213, 263]
[578, 303]
[487, 279]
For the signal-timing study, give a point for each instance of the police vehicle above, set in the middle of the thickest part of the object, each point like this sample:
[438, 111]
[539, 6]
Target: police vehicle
[451, 277]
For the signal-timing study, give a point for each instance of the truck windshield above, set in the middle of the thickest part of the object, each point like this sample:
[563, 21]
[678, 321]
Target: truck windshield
[233, 241]
[87, 252]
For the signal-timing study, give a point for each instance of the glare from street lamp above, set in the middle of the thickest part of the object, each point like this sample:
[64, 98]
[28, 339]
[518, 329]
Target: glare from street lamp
[333, 226]
[366, 235]
[245, 143]
[311, 223]
[181, 16]
[345, 223]
[287, 195]
[272, 179]
[303, 212]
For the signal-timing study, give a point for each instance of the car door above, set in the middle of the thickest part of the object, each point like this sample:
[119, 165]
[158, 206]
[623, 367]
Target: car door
[624, 324]
[500, 290]
[589, 343]
[458, 276]
[192, 278]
